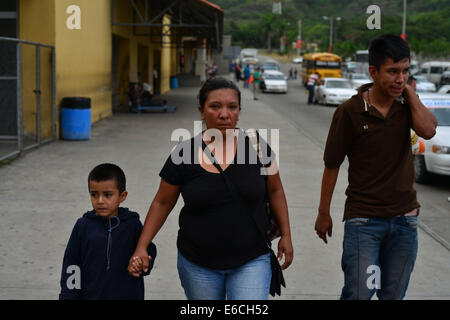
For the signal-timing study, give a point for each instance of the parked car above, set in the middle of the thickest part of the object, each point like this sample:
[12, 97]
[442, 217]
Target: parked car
[349, 67]
[270, 65]
[297, 60]
[423, 85]
[445, 78]
[333, 91]
[433, 156]
[358, 79]
[274, 81]
[444, 89]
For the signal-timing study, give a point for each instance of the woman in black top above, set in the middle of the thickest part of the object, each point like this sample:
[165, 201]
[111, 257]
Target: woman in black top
[221, 251]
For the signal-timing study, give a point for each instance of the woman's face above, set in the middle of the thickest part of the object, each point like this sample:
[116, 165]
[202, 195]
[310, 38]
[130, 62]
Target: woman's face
[221, 110]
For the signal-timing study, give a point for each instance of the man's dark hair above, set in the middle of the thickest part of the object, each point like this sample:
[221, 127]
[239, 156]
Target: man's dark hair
[387, 46]
[108, 171]
[216, 83]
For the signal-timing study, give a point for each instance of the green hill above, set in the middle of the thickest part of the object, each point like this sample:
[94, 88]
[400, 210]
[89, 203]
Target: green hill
[251, 23]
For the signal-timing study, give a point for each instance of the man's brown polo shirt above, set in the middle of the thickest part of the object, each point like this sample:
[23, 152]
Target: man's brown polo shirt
[381, 168]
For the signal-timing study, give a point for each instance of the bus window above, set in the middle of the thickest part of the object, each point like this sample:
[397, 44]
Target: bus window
[328, 64]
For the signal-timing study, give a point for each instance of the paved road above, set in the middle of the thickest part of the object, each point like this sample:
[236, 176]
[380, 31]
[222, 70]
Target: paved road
[314, 121]
[43, 193]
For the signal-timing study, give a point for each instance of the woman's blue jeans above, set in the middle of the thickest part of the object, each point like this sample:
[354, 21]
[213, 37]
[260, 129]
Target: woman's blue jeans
[378, 256]
[248, 282]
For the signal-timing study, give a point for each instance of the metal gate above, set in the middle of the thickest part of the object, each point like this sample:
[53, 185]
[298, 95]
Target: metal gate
[27, 96]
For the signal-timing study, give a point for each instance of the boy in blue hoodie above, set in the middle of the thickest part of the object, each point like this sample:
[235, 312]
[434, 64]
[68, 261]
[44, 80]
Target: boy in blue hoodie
[102, 243]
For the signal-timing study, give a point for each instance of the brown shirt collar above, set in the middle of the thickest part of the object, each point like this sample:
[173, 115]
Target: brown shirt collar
[364, 106]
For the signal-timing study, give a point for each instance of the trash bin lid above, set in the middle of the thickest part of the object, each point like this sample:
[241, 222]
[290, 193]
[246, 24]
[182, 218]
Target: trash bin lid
[76, 103]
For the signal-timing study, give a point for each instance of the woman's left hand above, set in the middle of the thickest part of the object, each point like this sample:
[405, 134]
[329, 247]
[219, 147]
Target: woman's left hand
[285, 248]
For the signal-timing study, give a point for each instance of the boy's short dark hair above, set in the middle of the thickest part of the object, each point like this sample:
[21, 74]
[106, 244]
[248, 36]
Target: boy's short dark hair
[387, 46]
[108, 171]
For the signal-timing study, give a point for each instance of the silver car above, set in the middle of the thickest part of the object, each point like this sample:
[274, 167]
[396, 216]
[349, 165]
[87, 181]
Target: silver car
[358, 79]
[274, 81]
[423, 85]
[333, 91]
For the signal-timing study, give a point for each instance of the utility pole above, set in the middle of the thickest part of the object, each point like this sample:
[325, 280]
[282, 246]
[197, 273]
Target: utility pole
[404, 21]
[330, 46]
[299, 38]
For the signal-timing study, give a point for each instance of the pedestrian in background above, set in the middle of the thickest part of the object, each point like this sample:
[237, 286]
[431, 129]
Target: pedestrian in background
[155, 81]
[246, 76]
[237, 71]
[256, 82]
[381, 211]
[313, 80]
[221, 254]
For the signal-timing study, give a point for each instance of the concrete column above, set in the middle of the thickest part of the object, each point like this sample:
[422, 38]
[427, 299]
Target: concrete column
[200, 63]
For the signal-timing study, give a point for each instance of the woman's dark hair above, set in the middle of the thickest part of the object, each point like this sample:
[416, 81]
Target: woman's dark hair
[387, 46]
[216, 83]
[108, 171]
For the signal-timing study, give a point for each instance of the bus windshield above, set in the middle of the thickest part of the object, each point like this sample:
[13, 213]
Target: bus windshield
[327, 64]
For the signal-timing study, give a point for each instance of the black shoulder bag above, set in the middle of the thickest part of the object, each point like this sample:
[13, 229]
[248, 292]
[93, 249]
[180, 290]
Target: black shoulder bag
[274, 230]
[277, 279]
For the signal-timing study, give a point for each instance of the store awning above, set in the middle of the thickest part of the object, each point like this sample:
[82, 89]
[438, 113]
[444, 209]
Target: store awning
[188, 18]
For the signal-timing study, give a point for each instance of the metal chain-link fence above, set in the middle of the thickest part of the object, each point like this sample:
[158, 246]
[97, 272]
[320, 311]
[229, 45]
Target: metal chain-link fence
[27, 96]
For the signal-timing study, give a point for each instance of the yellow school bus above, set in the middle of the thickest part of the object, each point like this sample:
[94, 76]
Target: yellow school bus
[327, 64]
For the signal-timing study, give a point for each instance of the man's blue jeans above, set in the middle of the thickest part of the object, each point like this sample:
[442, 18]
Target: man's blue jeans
[378, 256]
[311, 94]
[248, 282]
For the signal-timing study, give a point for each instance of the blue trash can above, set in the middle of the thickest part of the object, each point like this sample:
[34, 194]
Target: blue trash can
[76, 118]
[173, 82]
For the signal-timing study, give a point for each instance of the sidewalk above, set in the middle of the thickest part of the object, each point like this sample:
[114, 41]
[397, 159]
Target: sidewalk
[43, 193]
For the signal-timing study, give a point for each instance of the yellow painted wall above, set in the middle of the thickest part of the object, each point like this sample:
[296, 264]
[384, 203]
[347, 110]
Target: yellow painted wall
[36, 23]
[166, 60]
[83, 57]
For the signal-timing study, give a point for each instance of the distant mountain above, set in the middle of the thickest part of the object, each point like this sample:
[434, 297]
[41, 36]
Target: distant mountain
[252, 23]
[315, 9]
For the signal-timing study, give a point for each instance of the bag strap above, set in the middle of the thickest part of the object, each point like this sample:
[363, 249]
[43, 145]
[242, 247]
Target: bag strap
[232, 189]
[253, 135]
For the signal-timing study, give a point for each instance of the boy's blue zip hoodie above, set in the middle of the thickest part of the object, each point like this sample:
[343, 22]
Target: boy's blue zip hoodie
[100, 248]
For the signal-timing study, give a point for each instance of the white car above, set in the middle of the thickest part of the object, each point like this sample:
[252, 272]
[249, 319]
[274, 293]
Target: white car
[444, 89]
[274, 81]
[297, 60]
[433, 155]
[333, 91]
[358, 79]
[423, 85]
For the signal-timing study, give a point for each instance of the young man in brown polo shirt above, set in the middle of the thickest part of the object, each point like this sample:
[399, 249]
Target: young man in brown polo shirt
[373, 130]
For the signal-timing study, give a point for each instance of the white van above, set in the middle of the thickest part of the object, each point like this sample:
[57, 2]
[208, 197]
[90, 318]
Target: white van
[414, 67]
[433, 70]
[249, 55]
